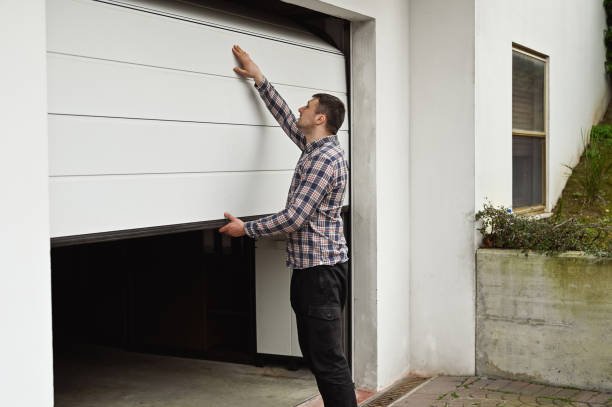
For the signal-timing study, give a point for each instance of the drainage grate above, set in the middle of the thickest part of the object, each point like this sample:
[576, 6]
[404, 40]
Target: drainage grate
[395, 392]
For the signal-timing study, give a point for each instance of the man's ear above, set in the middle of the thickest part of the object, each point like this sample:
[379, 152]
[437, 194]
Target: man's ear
[321, 118]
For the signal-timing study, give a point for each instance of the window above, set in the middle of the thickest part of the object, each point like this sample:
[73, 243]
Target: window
[529, 128]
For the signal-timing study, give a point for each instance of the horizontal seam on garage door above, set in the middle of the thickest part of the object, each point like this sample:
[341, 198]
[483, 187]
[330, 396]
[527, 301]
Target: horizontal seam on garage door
[214, 25]
[287, 170]
[160, 120]
[166, 120]
[93, 116]
[186, 70]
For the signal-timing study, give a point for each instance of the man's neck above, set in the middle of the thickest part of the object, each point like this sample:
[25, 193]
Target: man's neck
[311, 138]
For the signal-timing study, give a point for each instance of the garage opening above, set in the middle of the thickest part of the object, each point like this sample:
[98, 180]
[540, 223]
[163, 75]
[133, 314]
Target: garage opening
[184, 318]
[133, 319]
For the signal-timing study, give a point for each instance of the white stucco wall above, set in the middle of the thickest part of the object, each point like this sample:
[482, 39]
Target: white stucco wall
[442, 187]
[570, 32]
[392, 136]
[25, 291]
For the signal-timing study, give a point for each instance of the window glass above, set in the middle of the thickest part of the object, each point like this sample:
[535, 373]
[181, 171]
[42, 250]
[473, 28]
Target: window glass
[527, 171]
[528, 75]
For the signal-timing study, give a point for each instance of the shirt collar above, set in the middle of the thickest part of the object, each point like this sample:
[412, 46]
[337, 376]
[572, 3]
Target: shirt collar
[320, 142]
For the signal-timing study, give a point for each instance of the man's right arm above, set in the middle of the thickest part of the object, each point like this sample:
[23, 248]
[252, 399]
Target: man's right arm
[273, 100]
[281, 112]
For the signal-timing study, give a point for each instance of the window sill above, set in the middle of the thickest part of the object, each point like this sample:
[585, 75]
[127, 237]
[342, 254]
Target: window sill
[535, 212]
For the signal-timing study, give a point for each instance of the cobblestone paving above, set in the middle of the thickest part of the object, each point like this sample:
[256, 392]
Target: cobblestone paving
[454, 391]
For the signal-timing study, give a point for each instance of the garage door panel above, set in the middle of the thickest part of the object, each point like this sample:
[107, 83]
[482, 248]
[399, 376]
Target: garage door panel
[97, 145]
[85, 86]
[82, 145]
[93, 29]
[91, 204]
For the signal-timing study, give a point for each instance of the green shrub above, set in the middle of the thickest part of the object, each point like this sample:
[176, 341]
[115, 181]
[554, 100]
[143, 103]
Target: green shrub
[502, 229]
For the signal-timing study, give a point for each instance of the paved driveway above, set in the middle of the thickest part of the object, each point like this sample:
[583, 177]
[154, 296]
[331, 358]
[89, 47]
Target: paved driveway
[451, 391]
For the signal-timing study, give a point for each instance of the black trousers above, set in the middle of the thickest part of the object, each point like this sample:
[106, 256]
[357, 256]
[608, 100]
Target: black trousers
[318, 295]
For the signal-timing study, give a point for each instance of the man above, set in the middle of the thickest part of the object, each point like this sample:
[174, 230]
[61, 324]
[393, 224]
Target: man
[316, 247]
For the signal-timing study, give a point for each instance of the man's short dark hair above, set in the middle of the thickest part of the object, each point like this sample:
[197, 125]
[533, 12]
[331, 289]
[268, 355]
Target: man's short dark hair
[333, 109]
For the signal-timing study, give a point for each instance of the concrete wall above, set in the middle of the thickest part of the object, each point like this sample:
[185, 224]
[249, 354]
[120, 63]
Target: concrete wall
[364, 238]
[545, 319]
[570, 32]
[25, 290]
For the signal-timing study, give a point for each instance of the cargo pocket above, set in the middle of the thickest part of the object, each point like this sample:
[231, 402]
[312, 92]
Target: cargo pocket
[325, 337]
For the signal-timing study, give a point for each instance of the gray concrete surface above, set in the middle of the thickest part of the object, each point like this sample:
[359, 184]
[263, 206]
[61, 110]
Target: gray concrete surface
[102, 377]
[455, 391]
[545, 319]
[364, 225]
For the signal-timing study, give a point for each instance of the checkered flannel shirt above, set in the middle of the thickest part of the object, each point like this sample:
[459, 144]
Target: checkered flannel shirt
[311, 218]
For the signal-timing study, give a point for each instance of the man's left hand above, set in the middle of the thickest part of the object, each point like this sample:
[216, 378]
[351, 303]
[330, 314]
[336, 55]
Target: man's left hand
[235, 227]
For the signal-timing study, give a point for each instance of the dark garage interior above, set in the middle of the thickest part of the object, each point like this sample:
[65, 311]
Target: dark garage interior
[186, 294]
[153, 321]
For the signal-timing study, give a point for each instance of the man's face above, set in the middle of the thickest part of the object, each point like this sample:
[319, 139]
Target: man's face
[309, 117]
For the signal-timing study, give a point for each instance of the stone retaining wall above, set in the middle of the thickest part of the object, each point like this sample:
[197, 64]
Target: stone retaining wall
[544, 319]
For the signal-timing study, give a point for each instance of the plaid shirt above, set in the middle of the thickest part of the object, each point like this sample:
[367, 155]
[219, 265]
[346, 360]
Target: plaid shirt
[311, 218]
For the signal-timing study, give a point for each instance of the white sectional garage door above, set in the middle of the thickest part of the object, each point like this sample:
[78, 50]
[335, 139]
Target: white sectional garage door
[148, 124]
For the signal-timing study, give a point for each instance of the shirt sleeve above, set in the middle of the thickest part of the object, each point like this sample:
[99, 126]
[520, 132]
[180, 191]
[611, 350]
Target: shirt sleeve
[315, 184]
[281, 112]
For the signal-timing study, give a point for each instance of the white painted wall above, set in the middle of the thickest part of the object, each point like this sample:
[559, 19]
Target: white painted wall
[442, 187]
[570, 32]
[26, 375]
[393, 190]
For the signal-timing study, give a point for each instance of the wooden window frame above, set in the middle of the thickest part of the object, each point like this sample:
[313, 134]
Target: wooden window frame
[539, 208]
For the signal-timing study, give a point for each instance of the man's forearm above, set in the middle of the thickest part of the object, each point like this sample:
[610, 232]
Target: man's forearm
[281, 112]
[286, 221]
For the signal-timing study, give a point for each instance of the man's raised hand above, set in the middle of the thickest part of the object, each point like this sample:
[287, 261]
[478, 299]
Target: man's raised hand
[235, 227]
[247, 68]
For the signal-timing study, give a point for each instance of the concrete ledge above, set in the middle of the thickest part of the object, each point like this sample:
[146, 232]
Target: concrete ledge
[544, 318]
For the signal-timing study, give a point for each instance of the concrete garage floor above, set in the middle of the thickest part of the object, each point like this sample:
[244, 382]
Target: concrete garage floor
[103, 377]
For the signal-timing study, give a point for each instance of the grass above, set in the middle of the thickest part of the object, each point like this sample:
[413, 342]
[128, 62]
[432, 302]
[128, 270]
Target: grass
[587, 196]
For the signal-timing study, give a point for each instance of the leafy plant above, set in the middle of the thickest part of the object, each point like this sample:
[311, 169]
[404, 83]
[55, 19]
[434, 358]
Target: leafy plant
[500, 228]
